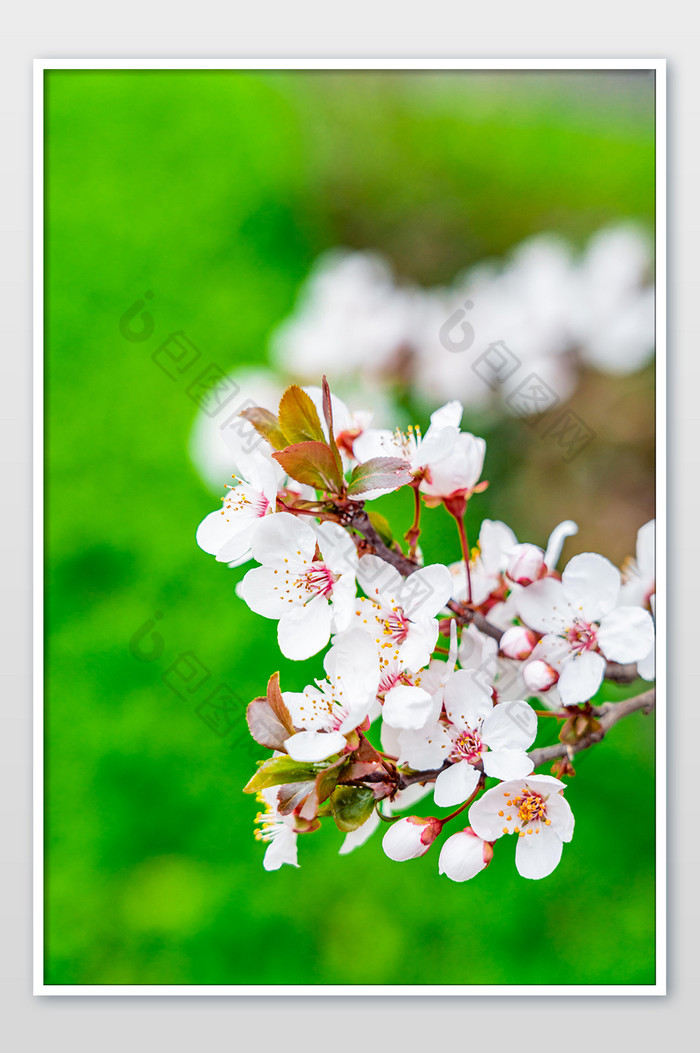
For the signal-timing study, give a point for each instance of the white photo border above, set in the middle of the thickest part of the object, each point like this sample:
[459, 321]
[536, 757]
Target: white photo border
[658, 68]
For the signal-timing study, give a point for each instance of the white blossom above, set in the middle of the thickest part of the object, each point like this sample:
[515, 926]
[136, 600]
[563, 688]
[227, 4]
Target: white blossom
[533, 809]
[584, 627]
[311, 597]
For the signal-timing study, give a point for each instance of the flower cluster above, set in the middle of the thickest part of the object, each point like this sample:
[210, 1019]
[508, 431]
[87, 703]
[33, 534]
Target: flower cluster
[545, 310]
[558, 310]
[432, 671]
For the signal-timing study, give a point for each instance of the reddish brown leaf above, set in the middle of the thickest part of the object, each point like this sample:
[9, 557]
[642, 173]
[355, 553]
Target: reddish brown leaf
[267, 425]
[379, 473]
[312, 463]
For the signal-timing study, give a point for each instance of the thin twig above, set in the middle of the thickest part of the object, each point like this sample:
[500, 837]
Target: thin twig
[607, 715]
[360, 521]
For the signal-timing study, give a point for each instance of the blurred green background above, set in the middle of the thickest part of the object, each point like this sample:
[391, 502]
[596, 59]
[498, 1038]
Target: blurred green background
[215, 191]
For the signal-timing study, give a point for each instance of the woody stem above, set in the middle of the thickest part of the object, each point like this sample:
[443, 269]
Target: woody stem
[466, 803]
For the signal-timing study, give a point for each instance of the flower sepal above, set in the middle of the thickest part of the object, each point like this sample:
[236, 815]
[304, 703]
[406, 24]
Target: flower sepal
[580, 723]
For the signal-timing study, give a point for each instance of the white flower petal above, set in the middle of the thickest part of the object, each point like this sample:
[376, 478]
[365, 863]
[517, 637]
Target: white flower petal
[580, 678]
[646, 667]
[312, 746]
[545, 784]
[537, 854]
[544, 607]
[447, 416]
[337, 548]
[426, 591]
[556, 542]
[379, 580]
[215, 530]
[437, 444]
[510, 726]
[626, 634]
[418, 646]
[591, 585]
[496, 540]
[353, 659]
[483, 814]
[304, 631]
[425, 749]
[455, 784]
[260, 590]
[409, 707]
[507, 764]
[560, 814]
[405, 839]
[467, 698]
[283, 535]
[282, 849]
[462, 856]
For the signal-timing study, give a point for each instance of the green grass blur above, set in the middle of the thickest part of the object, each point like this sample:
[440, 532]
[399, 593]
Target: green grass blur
[215, 191]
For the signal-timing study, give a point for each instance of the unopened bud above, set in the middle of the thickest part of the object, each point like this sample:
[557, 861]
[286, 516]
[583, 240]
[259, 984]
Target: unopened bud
[526, 564]
[539, 676]
[410, 837]
[464, 855]
[518, 642]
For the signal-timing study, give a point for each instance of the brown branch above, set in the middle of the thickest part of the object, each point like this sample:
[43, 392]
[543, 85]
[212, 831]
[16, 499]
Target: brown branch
[608, 714]
[412, 777]
[360, 521]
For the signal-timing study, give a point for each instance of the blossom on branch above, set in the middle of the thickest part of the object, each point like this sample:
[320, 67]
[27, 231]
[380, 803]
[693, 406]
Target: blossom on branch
[311, 595]
[583, 626]
[536, 811]
[448, 718]
[326, 713]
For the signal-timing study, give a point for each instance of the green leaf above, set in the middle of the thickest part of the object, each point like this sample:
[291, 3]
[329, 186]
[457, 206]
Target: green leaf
[326, 780]
[280, 770]
[351, 806]
[267, 425]
[298, 417]
[379, 473]
[312, 463]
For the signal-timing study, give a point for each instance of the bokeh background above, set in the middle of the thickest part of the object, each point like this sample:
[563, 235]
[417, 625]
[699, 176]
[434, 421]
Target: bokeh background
[215, 192]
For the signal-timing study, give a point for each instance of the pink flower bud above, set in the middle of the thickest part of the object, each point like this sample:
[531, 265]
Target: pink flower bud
[539, 676]
[464, 855]
[518, 642]
[410, 837]
[526, 564]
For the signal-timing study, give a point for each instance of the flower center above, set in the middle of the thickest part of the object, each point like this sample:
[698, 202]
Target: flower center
[530, 810]
[408, 440]
[243, 496]
[467, 746]
[582, 636]
[396, 626]
[318, 580]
